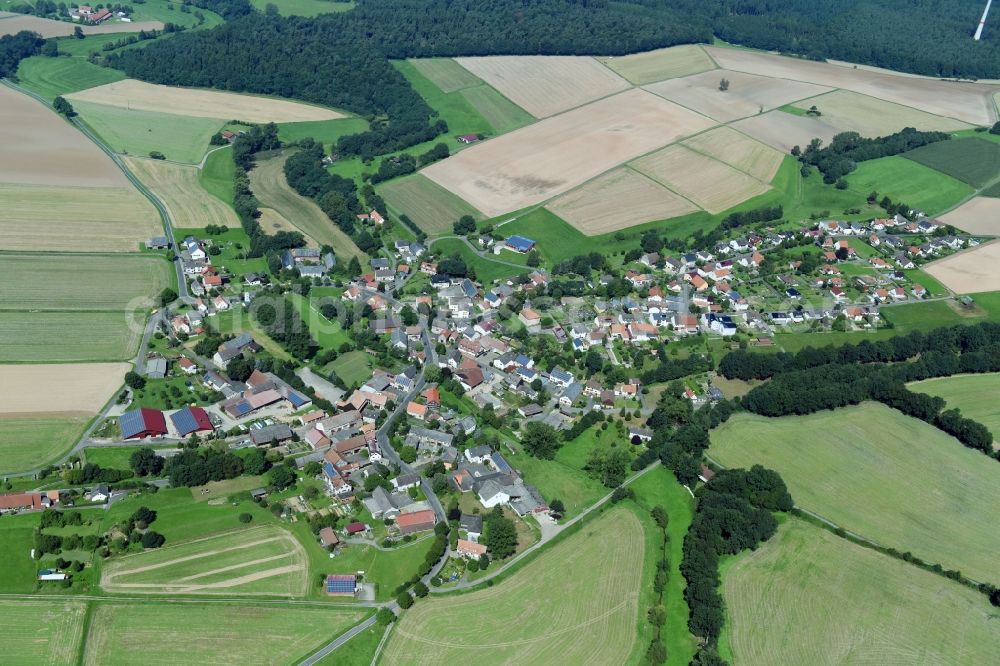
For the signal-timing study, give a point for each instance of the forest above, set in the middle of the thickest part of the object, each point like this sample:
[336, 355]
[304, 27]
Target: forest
[848, 148]
[14, 48]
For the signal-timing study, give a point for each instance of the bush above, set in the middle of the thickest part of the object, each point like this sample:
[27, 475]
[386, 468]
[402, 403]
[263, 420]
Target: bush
[245, 518]
[152, 539]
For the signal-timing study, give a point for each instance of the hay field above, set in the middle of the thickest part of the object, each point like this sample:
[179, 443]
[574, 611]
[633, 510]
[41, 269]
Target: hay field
[973, 161]
[272, 222]
[651, 66]
[888, 477]
[782, 130]
[968, 102]
[163, 634]
[49, 28]
[552, 156]
[738, 151]
[40, 631]
[870, 116]
[201, 103]
[975, 395]
[258, 561]
[68, 219]
[978, 215]
[28, 441]
[586, 614]
[428, 204]
[178, 188]
[546, 85]
[76, 388]
[747, 93]
[619, 199]
[40, 148]
[501, 113]
[710, 184]
[445, 73]
[969, 271]
[809, 597]
[41, 336]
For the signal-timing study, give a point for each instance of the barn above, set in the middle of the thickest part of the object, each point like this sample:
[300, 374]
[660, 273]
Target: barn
[191, 419]
[341, 585]
[142, 422]
[520, 244]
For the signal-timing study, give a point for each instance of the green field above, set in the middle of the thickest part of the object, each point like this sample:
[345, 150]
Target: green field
[885, 476]
[359, 651]
[452, 107]
[579, 619]
[905, 180]
[975, 162]
[325, 131]
[975, 395]
[304, 7]
[353, 368]
[556, 480]
[236, 321]
[41, 336]
[445, 73]
[501, 113]
[180, 138]
[216, 176]
[37, 631]
[27, 442]
[50, 77]
[387, 569]
[328, 334]
[168, 11]
[809, 597]
[116, 457]
[486, 269]
[431, 206]
[17, 575]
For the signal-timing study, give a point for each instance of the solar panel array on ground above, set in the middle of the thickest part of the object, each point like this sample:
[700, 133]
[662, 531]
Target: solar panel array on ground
[340, 585]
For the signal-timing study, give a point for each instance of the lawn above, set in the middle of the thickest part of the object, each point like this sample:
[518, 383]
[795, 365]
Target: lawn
[809, 597]
[888, 477]
[556, 480]
[579, 619]
[431, 206]
[304, 7]
[975, 395]
[51, 77]
[359, 651]
[575, 453]
[39, 631]
[216, 176]
[353, 368]
[328, 334]
[237, 321]
[41, 336]
[486, 270]
[325, 131]
[32, 440]
[387, 569]
[975, 161]
[116, 457]
[17, 575]
[905, 180]
[233, 243]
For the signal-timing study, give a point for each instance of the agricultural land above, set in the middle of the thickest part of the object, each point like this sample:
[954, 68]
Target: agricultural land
[651, 66]
[979, 215]
[969, 272]
[975, 395]
[178, 188]
[49, 28]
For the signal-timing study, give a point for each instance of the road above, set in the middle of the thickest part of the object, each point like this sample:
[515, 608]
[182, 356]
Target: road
[336, 643]
[488, 256]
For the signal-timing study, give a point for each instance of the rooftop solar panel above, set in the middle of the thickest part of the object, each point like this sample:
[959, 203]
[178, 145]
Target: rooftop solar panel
[131, 423]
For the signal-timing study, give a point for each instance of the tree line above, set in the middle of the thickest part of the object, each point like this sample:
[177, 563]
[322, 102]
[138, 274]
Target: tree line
[848, 148]
[15, 48]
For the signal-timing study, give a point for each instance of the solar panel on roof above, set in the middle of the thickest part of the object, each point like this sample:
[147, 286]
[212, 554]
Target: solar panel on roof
[340, 585]
[242, 408]
[296, 399]
[131, 423]
[184, 421]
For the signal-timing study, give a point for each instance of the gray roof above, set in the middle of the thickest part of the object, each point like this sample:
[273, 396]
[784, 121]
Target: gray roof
[471, 523]
[271, 433]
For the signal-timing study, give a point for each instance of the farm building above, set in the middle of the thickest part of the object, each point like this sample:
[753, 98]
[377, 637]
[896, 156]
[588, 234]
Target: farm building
[356, 528]
[468, 138]
[278, 432]
[341, 585]
[418, 521]
[191, 419]
[328, 538]
[21, 502]
[520, 244]
[143, 422]
[51, 574]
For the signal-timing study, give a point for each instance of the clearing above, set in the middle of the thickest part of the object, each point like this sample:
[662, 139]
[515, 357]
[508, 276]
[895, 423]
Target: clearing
[28, 441]
[973, 161]
[42, 631]
[783, 130]
[48, 28]
[809, 597]
[178, 188]
[652, 66]
[969, 271]
[978, 215]
[886, 476]
[53, 387]
[870, 116]
[738, 151]
[431, 206]
[975, 395]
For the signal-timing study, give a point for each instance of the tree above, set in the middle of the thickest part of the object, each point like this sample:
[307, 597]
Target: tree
[660, 516]
[63, 107]
[245, 518]
[152, 539]
[404, 600]
[534, 259]
[995, 129]
[145, 462]
[384, 617]
[610, 466]
[167, 296]
[282, 477]
[353, 267]
[841, 184]
[78, 33]
[134, 380]
[408, 454]
[420, 589]
[557, 506]
[499, 534]
[240, 368]
[657, 653]
[408, 316]
[724, 85]
[464, 226]
[540, 440]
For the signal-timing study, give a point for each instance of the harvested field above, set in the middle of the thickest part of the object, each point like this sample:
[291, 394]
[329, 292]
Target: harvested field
[201, 103]
[68, 219]
[77, 388]
[446, 74]
[809, 597]
[178, 188]
[546, 85]
[42, 631]
[968, 102]
[619, 199]
[272, 222]
[709, 183]
[49, 28]
[582, 618]
[782, 130]
[428, 204]
[738, 151]
[978, 215]
[652, 66]
[975, 161]
[42, 336]
[550, 157]
[869, 116]
[30, 440]
[40, 148]
[747, 93]
[969, 271]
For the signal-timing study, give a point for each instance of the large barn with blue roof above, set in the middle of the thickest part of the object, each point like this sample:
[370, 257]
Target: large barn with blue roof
[341, 585]
[191, 419]
[142, 422]
[520, 244]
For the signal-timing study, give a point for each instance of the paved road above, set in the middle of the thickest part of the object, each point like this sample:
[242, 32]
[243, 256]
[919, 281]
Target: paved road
[488, 256]
[340, 640]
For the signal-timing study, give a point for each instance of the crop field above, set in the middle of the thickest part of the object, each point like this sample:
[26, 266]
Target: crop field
[134, 132]
[431, 206]
[271, 221]
[651, 66]
[969, 102]
[972, 161]
[970, 271]
[616, 200]
[164, 634]
[978, 215]
[782, 130]
[888, 477]
[49, 28]
[975, 395]
[809, 597]
[39, 631]
[200, 103]
[501, 113]
[546, 85]
[258, 561]
[552, 156]
[905, 180]
[583, 617]
[304, 7]
[68, 219]
[50, 77]
[30, 440]
[80, 388]
[272, 190]
[870, 116]
[446, 74]
[738, 151]
[708, 183]
[41, 336]
[178, 188]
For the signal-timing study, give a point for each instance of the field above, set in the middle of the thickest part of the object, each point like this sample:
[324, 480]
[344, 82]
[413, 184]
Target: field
[970, 271]
[446, 74]
[49, 28]
[782, 130]
[487, 270]
[58, 388]
[550, 157]
[38, 631]
[556, 480]
[324, 131]
[979, 215]
[652, 66]
[501, 113]
[17, 538]
[271, 221]
[272, 190]
[905, 180]
[178, 188]
[886, 476]
[216, 174]
[582, 618]
[200, 103]
[41, 336]
[28, 441]
[972, 161]
[706, 182]
[353, 368]
[975, 395]
[616, 200]
[546, 85]
[304, 7]
[160, 633]
[134, 132]
[870, 116]
[68, 219]
[809, 597]
[738, 151]
[431, 206]
[748, 95]
[258, 561]
[50, 77]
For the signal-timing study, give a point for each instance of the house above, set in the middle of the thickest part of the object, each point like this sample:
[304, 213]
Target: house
[188, 366]
[141, 423]
[492, 494]
[328, 538]
[478, 454]
[191, 419]
[355, 528]
[468, 138]
[158, 243]
[156, 368]
[637, 435]
[519, 244]
[529, 318]
[278, 432]
[406, 481]
[529, 410]
[99, 493]
[418, 521]
[918, 290]
[470, 549]
[470, 378]
[472, 524]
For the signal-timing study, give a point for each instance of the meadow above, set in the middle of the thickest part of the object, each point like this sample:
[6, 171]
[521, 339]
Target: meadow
[353, 368]
[975, 395]
[329, 334]
[51, 77]
[387, 570]
[359, 651]
[29, 441]
[216, 174]
[178, 187]
[904, 180]
[809, 597]
[304, 7]
[325, 131]
[17, 575]
[885, 476]
[651, 66]
[560, 480]
[39, 631]
[431, 206]
[486, 269]
[41, 336]
[975, 162]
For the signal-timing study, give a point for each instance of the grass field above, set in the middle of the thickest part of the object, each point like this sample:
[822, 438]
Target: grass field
[905, 180]
[161, 633]
[886, 476]
[652, 66]
[446, 74]
[116, 457]
[386, 569]
[972, 161]
[809, 597]
[353, 368]
[501, 113]
[431, 206]
[41, 336]
[328, 334]
[304, 7]
[486, 270]
[581, 618]
[29, 441]
[42, 632]
[17, 576]
[216, 175]
[975, 395]
[50, 77]
[177, 186]
[453, 107]
[558, 480]
[359, 651]
[325, 131]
